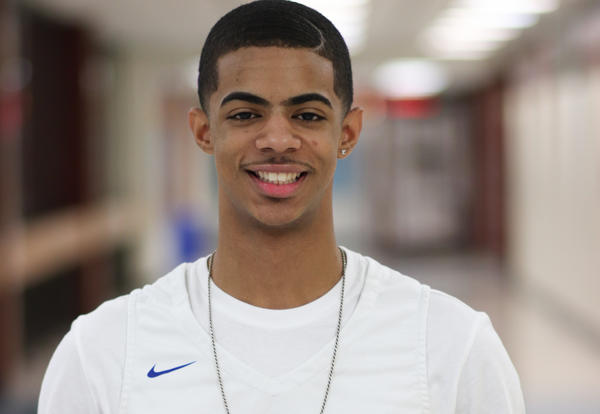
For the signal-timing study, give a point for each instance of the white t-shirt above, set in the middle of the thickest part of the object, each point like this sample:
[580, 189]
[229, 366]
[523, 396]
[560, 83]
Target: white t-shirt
[404, 348]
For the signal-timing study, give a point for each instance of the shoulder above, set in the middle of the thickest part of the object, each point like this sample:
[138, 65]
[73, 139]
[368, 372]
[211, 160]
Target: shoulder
[107, 322]
[105, 328]
[379, 280]
[446, 319]
[443, 312]
[84, 373]
[456, 331]
[452, 328]
[91, 357]
[100, 337]
[450, 319]
[467, 364]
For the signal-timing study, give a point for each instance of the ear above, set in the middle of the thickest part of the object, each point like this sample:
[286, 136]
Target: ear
[351, 127]
[200, 128]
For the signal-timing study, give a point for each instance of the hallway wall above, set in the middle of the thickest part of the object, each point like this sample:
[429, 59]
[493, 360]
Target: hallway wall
[553, 152]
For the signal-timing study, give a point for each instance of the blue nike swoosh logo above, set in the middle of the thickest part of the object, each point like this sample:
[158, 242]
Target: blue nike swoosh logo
[152, 373]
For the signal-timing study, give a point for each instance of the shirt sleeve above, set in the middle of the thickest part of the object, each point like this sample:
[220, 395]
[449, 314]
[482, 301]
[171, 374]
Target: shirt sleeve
[488, 381]
[65, 388]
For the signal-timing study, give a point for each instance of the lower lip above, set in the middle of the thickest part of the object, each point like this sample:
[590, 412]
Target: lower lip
[277, 190]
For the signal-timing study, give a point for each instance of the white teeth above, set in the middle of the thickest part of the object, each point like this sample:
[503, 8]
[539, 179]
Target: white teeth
[278, 178]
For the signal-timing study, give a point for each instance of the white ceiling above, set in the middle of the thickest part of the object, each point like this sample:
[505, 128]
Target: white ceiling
[178, 27]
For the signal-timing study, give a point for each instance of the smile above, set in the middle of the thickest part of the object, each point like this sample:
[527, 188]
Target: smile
[277, 184]
[278, 178]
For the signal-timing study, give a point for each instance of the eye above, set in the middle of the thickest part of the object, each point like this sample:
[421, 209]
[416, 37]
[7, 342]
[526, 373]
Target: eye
[309, 116]
[243, 116]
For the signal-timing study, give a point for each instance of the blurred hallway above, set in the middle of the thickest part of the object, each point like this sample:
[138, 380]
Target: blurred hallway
[477, 171]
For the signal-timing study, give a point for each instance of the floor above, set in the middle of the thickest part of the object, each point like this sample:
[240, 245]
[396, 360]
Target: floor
[559, 365]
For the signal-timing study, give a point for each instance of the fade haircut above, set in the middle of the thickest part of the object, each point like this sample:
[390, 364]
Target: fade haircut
[279, 23]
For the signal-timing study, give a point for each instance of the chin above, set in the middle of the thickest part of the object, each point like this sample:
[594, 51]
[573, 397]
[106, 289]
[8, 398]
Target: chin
[278, 221]
[277, 224]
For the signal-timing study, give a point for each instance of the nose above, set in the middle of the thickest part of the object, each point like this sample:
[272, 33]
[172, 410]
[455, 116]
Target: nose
[277, 136]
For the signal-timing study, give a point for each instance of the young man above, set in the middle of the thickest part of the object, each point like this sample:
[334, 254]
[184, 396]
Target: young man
[280, 319]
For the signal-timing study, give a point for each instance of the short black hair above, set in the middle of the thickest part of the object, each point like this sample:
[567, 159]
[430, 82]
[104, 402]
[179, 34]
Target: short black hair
[280, 23]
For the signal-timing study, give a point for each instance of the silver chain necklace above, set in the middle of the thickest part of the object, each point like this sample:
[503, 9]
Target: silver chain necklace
[335, 346]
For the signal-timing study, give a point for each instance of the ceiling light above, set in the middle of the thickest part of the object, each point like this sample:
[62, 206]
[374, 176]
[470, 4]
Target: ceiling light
[482, 18]
[475, 28]
[511, 6]
[460, 54]
[469, 33]
[410, 78]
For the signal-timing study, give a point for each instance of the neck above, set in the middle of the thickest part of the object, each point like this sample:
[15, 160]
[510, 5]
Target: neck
[280, 268]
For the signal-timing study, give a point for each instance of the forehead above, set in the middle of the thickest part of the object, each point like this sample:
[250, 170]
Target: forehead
[274, 73]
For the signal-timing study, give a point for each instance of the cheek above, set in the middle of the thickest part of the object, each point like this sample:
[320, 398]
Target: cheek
[224, 157]
[322, 149]
[227, 146]
[326, 148]
[324, 140]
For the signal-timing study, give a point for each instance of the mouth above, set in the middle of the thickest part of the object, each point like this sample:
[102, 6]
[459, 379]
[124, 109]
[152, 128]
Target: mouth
[277, 184]
[277, 178]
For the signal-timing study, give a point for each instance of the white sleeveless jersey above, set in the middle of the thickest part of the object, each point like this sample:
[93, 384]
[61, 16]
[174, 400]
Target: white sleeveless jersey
[389, 359]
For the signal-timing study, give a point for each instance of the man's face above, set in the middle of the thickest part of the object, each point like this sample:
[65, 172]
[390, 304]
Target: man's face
[276, 129]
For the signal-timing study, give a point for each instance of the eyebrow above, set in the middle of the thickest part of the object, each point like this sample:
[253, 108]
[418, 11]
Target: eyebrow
[294, 100]
[245, 96]
[307, 97]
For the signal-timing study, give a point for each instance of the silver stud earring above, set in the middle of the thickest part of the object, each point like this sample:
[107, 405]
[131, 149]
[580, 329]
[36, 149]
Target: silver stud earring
[343, 151]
